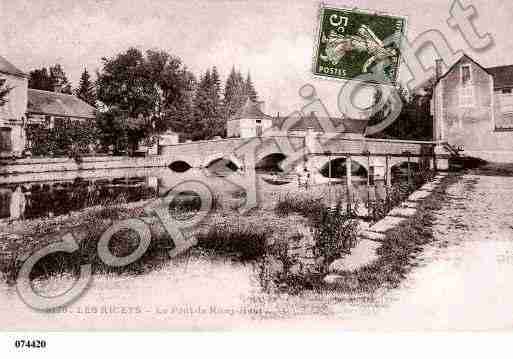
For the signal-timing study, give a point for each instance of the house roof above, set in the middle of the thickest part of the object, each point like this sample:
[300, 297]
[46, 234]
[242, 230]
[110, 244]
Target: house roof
[303, 123]
[464, 56]
[250, 110]
[7, 68]
[58, 104]
[502, 76]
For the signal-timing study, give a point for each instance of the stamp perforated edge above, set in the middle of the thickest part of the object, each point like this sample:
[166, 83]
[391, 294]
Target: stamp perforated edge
[317, 33]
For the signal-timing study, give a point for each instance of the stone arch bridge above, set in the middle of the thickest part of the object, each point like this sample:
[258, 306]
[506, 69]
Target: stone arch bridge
[311, 153]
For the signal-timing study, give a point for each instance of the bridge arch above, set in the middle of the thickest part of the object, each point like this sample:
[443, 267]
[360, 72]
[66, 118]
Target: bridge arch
[220, 164]
[180, 166]
[210, 159]
[270, 162]
[338, 166]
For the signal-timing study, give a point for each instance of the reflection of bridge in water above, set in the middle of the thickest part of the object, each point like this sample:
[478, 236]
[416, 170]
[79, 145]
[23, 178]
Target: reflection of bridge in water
[321, 158]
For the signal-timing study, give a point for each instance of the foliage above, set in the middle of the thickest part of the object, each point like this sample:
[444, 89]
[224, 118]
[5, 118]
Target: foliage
[52, 79]
[401, 246]
[249, 89]
[334, 233]
[308, 207]
[141, 94]
[207, 107]
[236, 92]
[86, 91]
[68, 138]
[334, 229]
[398, 192]
[414, 121]
[243, 240]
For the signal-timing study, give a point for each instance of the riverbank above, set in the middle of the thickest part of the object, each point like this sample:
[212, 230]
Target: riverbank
[399, 247]
[293, 235]
[47, 169]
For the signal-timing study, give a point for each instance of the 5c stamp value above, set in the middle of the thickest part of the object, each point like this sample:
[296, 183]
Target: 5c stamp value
[353, 42]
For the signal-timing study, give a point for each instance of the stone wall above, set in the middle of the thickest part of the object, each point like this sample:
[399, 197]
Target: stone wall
[13, 113]
[473, 128]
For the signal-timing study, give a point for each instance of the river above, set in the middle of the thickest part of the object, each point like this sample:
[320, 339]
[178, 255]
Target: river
[462, 281]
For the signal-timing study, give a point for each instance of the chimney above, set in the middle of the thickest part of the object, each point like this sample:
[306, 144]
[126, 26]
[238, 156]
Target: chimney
[438, 68]
[436, 105]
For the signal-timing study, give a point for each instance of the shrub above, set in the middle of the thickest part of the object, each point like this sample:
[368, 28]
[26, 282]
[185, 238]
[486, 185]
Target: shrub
[334, 232]
[245, 241]
[309, 207]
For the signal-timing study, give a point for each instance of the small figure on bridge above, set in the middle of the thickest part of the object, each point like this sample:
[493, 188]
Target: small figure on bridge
[304, 179]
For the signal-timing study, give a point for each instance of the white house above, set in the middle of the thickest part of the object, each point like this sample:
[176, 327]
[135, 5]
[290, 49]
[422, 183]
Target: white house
[13, 113]
[29, 107]
[249, 121]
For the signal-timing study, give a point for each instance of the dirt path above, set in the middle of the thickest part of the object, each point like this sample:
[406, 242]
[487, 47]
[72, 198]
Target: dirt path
[465, 279]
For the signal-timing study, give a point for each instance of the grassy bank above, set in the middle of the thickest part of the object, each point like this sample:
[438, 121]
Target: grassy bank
[400, 247]
[293, 237]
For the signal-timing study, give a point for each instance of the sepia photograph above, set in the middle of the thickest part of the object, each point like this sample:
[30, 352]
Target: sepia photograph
[216, 165]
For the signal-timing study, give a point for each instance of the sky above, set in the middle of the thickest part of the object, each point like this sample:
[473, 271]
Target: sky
[273, 39]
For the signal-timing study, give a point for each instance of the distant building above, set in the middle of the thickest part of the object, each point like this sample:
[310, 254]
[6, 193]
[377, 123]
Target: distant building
[298, 125]
[249, 121]
[473, 106]
[13, 113]
[53, 107]
[28, 107]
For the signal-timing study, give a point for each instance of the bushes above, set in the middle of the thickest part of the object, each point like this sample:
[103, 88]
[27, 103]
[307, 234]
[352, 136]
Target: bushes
[69, 138]
[400, 246]
[230, 237]
[303, 262]
[398, 193]
[334, 232]
[309, 207]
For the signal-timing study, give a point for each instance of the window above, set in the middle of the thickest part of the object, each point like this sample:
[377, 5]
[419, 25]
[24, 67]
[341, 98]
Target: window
[258, 121]
[467, 90]
[506, 90]
[466, 77]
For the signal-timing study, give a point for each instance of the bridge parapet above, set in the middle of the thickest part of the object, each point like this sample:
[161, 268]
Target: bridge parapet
[298, 148]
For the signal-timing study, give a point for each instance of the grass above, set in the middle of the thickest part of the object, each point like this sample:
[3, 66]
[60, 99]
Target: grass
[255, 236]
[400, 247]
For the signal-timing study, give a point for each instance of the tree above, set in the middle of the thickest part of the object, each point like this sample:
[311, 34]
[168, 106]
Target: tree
[52, 79]
[59, 80]
[179, 114]
[4, 91]
[141, 95]
[208, 111]
[234, 94]
[250, 91]
[413, 123]
[85, 90]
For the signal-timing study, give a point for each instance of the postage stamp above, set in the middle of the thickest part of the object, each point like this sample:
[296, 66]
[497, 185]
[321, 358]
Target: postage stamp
[353, 42]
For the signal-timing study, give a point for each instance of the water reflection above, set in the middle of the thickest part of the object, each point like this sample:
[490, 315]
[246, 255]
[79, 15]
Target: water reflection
[48, 197]
[34, 200]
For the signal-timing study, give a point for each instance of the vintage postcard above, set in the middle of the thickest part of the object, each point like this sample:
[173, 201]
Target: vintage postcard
[172, 165]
